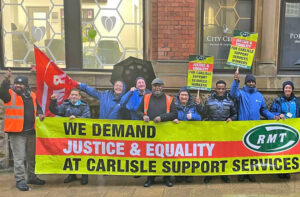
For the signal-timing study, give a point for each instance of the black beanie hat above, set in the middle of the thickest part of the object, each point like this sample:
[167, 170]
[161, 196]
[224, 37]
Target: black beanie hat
[250, 77]
[288, 83]
[21, 80]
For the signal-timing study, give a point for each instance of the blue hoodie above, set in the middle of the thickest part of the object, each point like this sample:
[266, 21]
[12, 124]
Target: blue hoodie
[109, 105]
[251, 103]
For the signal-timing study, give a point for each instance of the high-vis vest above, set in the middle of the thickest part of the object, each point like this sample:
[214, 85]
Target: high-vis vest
[147, 101]
[14, 112]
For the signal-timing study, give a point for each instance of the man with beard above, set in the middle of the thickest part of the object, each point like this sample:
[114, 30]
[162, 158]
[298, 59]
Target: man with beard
[159, 107]
[21, 109]
[251, 105]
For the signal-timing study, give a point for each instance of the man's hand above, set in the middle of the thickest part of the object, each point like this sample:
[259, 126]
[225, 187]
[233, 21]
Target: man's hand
[72, 117]
[228, 120]
[41, 117]
[54, 97]
[7, 74]
[282, 116]
[157, 119]
[276, 117]
[146, 118]
[236, 75]
[132, 89]
[176, 121]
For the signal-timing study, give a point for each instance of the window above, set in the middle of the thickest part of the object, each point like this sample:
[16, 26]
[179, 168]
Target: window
[111, 31]
[220, 18]
[289, 56]
[28, 23]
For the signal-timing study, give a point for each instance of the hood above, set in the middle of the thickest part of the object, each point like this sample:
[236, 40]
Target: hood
[249, 90]
[177, 101]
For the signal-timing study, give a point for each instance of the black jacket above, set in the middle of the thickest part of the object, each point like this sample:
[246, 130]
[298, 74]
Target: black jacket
[220, 108]
[158, 107]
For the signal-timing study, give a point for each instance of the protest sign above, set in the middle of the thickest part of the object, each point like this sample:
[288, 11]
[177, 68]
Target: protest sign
[242, 49]
[200, 72]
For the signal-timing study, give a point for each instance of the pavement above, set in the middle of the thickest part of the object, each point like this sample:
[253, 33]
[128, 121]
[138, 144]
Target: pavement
[127, 186]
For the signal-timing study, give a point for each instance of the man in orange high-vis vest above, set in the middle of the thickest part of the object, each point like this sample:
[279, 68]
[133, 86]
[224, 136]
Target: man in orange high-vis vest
[159, 107]
[21, 109]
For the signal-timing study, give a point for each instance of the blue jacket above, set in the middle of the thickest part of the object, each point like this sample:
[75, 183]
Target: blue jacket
[131, 101]
[251, 103]
[67, 109]
[282, 106]
[220, 108]
[184, 110]
[109, 105]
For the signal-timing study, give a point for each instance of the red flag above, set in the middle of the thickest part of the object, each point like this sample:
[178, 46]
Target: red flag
[50, 79]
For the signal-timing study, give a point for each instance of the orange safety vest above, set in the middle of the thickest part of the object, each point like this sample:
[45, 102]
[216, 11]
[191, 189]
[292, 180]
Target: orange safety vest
[14, 112]
[147, 101]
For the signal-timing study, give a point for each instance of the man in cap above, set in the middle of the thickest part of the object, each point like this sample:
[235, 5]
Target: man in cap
[159, 107]
[251, 105]
[21, 108]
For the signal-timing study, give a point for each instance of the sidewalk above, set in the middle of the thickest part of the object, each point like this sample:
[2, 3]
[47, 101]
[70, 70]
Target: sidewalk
[126, 186]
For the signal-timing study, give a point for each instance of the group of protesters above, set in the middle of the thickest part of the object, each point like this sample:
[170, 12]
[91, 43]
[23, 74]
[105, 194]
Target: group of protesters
[138, 103]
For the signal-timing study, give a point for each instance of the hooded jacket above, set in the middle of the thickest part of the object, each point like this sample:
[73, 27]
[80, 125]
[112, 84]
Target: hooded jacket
[110, 107]
[251, 103]
[220, 108]
[189, 108]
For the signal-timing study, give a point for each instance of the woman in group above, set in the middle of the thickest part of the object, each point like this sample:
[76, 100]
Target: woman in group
[286, 106]
[186, 112]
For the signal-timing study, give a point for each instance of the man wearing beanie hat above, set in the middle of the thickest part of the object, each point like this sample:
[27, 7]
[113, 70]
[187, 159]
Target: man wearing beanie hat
[251, 105]
[21, 109]
[159, 107]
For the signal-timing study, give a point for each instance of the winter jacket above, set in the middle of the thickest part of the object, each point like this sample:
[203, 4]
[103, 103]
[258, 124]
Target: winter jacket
[131, 101]
[251, 103]
[189, 108]
[110, 107]
[67, 109]
[282, 106]
[220, 108]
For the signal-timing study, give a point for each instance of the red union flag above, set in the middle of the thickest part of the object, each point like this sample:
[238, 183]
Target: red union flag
[50, 79]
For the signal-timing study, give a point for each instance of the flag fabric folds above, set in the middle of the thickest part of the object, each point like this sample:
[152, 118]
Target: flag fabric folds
[50, 79]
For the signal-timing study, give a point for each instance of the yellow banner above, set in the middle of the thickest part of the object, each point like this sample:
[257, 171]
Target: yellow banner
[119, 147]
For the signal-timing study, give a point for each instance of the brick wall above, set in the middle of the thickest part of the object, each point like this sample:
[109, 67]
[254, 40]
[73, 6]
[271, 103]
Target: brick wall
[173, 29]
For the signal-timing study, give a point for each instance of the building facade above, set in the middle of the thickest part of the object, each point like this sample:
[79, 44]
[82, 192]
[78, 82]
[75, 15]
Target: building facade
[87, 37]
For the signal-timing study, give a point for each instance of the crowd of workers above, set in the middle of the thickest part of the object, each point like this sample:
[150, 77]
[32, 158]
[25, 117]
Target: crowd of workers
[139, 103]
